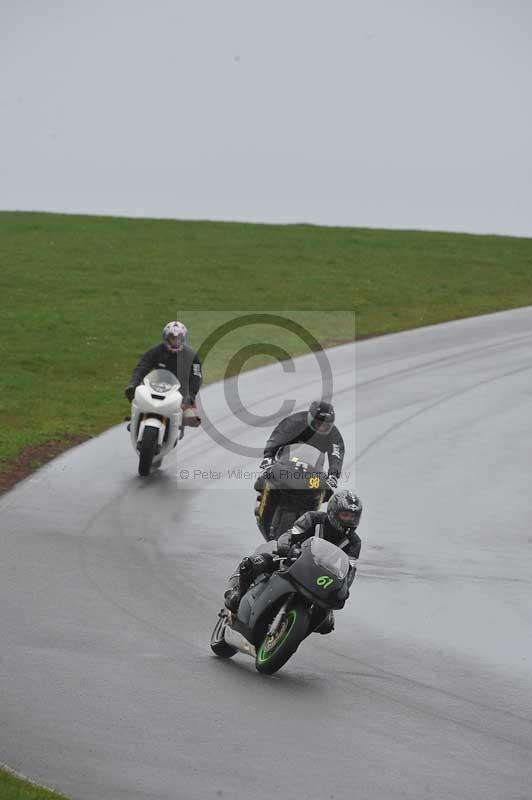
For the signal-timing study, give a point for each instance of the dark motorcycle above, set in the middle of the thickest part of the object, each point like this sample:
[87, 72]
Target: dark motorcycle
[279, 610]
[295, 483]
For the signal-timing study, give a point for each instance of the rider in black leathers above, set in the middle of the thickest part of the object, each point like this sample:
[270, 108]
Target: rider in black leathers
[175, 355]
[337, 525]
[315, 427]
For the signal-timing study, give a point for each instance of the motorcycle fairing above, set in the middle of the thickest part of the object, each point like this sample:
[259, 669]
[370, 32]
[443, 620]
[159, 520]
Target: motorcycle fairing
[265, 592]
[317, 583]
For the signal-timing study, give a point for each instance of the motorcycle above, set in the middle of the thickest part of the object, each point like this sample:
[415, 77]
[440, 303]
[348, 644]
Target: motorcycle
[280, 610]
[293, 484]
[156, 418]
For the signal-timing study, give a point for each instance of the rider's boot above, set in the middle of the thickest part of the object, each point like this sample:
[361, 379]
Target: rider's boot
[327, 626]
[239, 583]
[232, 599]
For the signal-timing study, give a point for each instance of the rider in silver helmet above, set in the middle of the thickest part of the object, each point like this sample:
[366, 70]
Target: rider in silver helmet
[173, 354]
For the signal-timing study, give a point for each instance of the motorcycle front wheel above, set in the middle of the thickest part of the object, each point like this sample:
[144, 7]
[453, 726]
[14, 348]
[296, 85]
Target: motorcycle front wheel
[275, 650]
[147, 450]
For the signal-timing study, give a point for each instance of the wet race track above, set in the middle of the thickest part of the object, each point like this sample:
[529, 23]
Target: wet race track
[110, 585]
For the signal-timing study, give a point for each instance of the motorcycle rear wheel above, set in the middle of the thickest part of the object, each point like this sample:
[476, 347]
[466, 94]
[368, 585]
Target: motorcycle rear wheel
[283, 519]
[274, 652]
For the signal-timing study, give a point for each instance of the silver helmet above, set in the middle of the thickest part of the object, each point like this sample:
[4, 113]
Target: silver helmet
[175, 336]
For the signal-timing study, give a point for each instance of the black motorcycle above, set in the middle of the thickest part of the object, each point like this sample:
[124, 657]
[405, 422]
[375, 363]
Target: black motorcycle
[279, 610]
[295, 483]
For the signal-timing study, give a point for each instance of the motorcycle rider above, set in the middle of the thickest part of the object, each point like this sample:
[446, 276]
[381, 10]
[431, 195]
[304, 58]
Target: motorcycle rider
[315, 427]
[173, 354]
[338, 524]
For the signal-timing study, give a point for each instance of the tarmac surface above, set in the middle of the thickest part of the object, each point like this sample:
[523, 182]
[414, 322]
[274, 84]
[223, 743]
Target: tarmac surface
[110, 585]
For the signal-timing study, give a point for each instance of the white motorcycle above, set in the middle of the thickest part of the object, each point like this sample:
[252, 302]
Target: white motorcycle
[156, 418]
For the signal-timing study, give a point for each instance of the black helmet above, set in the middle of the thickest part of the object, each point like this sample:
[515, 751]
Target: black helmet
[320, 417]
[344, 510]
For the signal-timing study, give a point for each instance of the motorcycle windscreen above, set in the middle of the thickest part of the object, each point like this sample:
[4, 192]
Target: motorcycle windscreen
[304, 456]
[330, 557]
[161, 381]
[320, 573]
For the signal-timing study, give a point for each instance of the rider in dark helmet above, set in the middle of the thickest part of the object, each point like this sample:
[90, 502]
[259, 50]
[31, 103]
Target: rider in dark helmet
[344, 510]
[315, 427]
[173, 354]
[337, 525]
[320, 416]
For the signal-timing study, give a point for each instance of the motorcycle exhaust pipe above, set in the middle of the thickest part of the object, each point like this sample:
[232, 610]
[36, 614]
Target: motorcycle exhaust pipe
[236, 640]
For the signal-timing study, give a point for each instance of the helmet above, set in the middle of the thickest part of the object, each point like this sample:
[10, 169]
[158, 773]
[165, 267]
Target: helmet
[320, 417]
[344, 510]
[175, 336]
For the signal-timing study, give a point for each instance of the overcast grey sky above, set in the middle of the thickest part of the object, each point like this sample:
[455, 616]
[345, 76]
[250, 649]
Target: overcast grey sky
[376, 113]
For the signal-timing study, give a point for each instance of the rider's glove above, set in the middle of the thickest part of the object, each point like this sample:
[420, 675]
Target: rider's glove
[129, 392]
[332, 482]
[264, 562]
[265, 463]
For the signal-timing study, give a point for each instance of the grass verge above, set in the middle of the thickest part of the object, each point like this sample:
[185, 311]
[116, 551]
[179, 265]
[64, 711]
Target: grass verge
[84, 296]
[14, 788]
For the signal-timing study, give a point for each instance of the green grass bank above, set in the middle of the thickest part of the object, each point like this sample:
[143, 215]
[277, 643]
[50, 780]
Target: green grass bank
[83, 297]
[14, 788]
